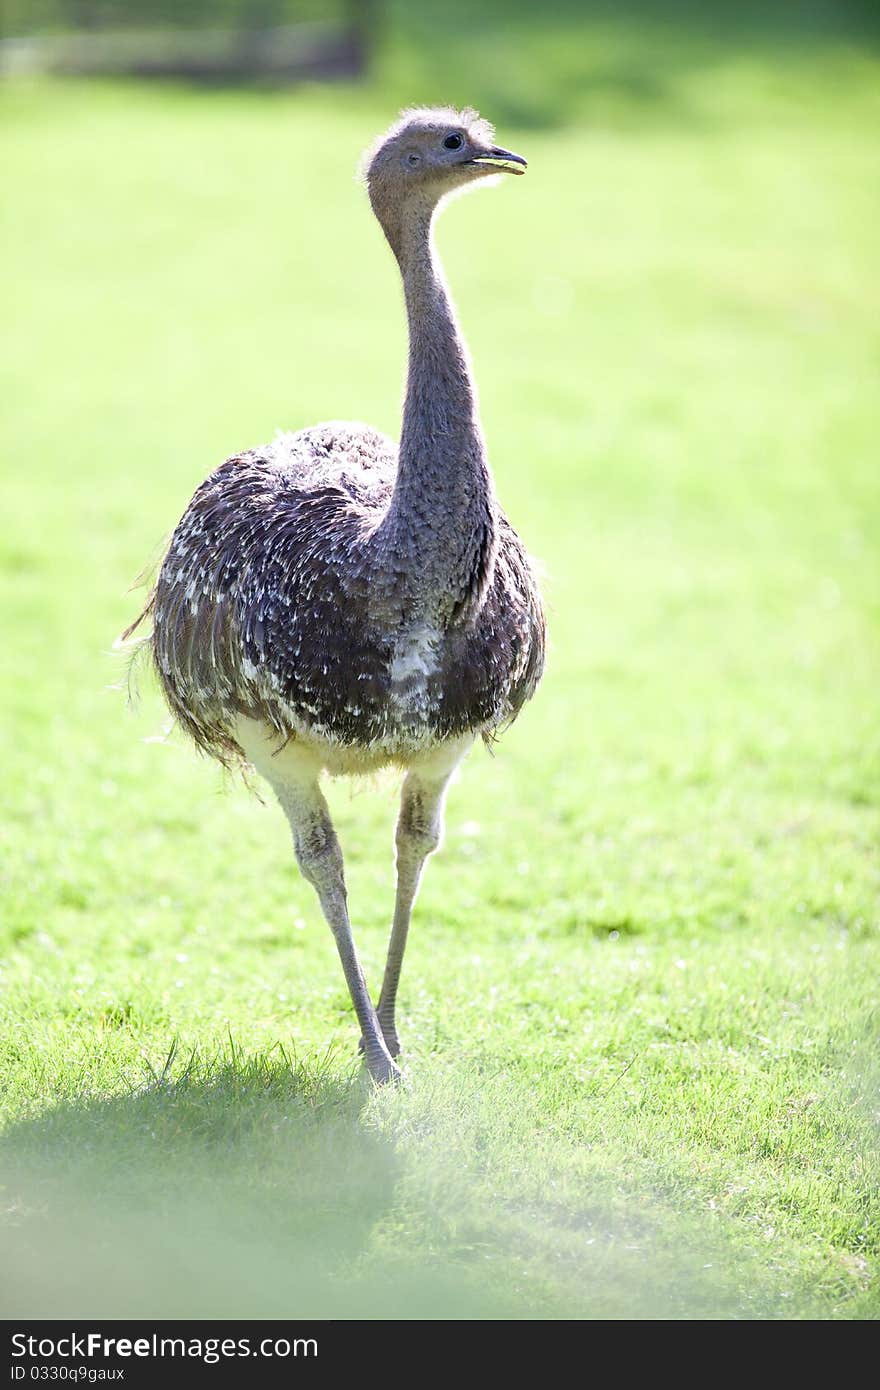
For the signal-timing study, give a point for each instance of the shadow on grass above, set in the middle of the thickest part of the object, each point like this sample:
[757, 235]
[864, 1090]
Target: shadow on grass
[252, 1186]
[241, 1187]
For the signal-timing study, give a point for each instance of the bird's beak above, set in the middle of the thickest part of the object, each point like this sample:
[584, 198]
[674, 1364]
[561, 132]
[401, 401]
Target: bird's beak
[497, 158]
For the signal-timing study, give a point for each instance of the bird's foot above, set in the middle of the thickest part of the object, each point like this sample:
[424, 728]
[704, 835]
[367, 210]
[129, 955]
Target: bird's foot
[384, 1069]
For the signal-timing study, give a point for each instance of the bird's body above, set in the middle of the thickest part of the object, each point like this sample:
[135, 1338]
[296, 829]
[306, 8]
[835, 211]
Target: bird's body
[334, 602]
[273, 606]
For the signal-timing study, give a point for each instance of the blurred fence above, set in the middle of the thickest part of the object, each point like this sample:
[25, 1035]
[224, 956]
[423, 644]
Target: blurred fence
[201, 40]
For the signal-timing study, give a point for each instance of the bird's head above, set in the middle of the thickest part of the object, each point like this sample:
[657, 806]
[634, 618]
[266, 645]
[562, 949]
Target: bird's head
[430, 152]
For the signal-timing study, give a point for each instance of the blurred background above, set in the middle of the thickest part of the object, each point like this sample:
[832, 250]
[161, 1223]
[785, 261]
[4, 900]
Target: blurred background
[201, 40]
[640, 1000]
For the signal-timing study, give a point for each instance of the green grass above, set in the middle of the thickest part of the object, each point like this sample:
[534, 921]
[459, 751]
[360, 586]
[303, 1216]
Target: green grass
[639, 1005]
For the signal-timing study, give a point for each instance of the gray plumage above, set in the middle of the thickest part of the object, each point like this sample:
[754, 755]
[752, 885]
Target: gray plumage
[363, 603]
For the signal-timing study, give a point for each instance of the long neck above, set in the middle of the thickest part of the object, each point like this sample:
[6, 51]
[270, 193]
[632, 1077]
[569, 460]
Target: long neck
[441, 522]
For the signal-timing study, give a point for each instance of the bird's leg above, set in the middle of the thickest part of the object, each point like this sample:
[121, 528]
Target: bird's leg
[419, 827]
[320, 859]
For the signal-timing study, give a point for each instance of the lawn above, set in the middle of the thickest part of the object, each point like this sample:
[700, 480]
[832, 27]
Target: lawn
[639, 1007]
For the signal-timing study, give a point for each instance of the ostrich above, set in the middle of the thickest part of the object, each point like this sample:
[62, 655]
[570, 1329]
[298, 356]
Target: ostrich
[332, 603]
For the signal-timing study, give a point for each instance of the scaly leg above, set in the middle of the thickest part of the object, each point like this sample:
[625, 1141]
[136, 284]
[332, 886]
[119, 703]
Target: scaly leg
[320, 859]
[419, 828]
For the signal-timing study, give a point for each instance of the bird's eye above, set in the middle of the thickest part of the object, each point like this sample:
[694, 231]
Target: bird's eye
[453, 142]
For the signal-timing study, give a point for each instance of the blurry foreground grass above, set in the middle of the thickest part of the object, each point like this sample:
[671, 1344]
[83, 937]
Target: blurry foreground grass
[640, 999]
